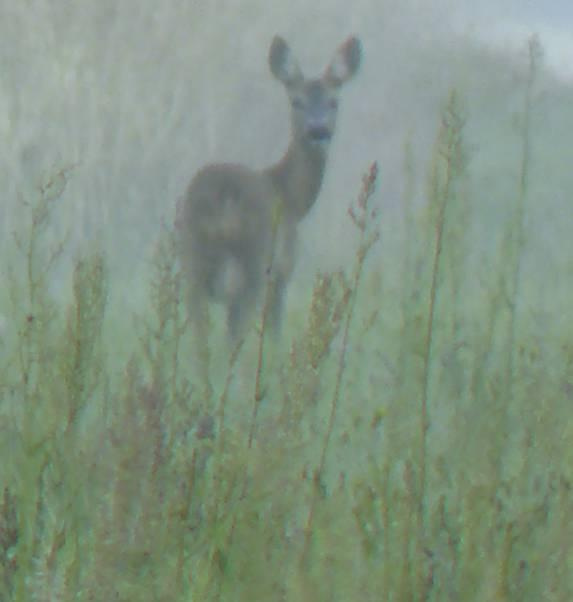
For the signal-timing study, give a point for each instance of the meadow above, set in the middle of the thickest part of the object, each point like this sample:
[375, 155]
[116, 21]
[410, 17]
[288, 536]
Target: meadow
[408, 438]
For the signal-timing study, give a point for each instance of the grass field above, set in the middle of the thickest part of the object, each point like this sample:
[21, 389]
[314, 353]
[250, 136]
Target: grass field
[409, 438]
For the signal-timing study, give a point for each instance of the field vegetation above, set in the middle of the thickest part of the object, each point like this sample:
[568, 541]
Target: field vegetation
[409, 438]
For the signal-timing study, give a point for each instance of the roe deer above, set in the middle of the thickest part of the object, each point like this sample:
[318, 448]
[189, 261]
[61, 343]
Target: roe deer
[237, 226]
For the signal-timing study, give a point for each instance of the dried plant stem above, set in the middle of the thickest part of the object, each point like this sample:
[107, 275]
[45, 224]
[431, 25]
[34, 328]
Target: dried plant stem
[259, 389]
[518, 222]
[450, 159]
[363, 218]
[225, 394]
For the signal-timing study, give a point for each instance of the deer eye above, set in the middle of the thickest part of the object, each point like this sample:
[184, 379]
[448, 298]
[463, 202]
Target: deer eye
[297, 103]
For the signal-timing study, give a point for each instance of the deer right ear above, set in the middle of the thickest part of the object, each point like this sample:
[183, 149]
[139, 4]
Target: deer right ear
[282, 63]
[346, 62]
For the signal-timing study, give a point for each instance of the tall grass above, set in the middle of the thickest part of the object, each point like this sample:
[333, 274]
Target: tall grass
[412, 443]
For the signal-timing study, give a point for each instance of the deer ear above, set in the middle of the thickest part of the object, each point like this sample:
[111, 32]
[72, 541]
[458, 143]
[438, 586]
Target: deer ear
[345, 62]
[282, 63]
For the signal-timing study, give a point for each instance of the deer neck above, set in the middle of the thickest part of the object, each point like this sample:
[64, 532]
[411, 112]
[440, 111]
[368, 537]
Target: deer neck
[297, 177]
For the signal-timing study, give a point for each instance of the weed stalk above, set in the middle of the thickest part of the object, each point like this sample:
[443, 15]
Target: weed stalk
[449, 165]
[364, 218]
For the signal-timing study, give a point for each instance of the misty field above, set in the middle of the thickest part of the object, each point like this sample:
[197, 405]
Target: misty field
[409, 437]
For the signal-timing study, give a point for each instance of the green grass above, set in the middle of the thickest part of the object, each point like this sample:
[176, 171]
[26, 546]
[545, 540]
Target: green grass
[411, 442]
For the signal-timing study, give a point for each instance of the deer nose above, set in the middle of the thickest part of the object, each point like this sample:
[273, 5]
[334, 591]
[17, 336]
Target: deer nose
[319, 133]
[318, 128]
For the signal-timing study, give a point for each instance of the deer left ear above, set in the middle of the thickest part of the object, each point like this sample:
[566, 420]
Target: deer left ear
[283, 64]
[345, 62]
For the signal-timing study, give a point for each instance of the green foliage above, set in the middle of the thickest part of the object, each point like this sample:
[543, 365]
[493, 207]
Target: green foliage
[413, 443]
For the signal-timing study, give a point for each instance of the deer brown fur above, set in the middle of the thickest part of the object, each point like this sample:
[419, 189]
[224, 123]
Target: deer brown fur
[237, 226]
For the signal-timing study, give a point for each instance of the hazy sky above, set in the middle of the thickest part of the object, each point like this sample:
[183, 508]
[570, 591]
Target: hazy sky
[552, 12]
[511, 21]
[557, 13]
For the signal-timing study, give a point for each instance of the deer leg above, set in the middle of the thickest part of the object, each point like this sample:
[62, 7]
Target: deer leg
[243, 301]
[239, 311]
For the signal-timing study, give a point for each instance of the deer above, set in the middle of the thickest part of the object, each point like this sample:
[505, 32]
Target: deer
[237, 226]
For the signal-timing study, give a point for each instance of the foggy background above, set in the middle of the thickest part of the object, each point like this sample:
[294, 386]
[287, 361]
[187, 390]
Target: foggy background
[137, 95]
